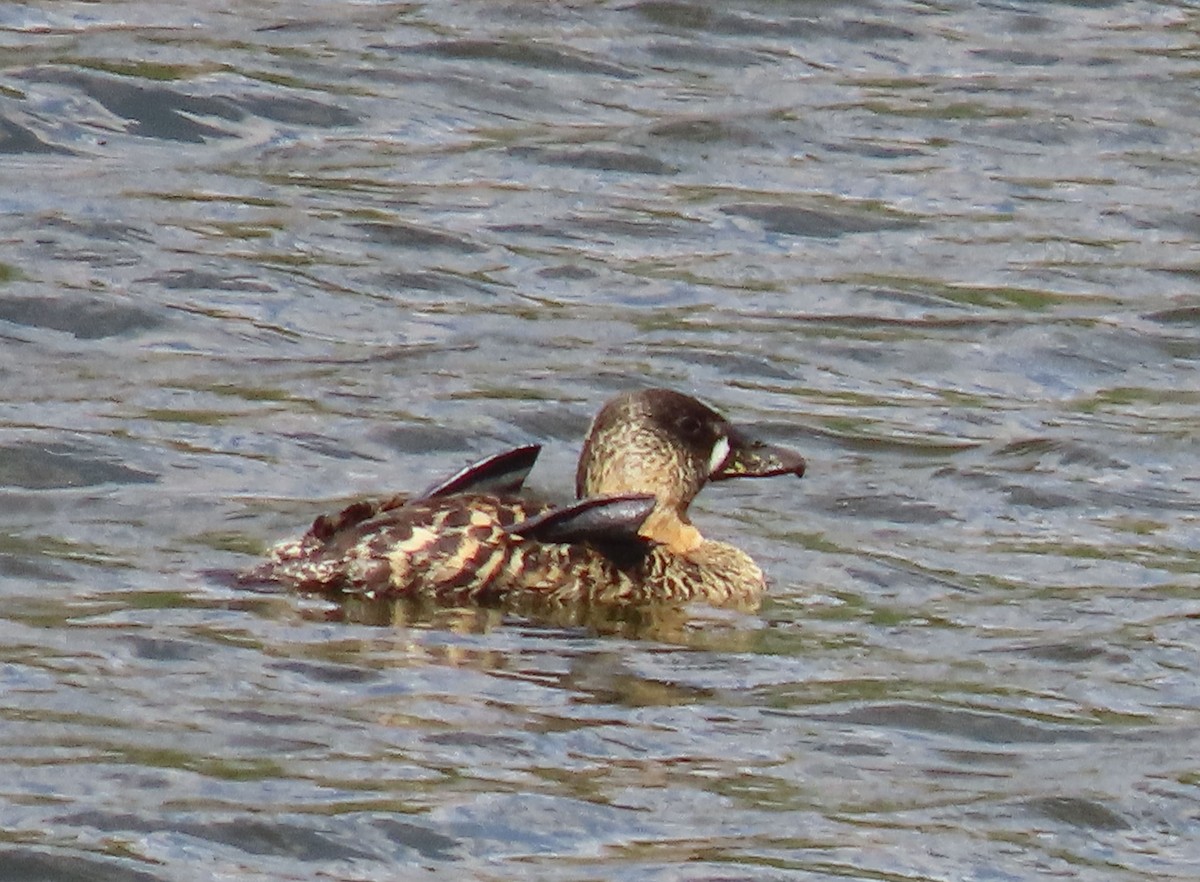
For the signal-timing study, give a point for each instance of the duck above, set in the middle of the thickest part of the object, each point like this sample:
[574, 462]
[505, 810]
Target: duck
[477, 538]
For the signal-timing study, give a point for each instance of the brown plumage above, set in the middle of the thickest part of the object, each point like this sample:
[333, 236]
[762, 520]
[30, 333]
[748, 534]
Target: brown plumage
[475, 539]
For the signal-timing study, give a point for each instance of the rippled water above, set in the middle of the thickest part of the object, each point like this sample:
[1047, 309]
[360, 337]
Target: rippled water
[258, 258]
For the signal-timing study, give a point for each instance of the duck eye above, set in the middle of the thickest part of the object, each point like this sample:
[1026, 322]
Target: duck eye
[690, 426]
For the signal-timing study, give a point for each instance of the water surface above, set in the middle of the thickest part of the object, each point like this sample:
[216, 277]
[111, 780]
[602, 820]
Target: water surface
[258, 259]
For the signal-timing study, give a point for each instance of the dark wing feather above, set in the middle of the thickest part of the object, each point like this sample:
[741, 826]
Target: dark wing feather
[497, 475]
[500, 474]
[596, 519]
[607, 524]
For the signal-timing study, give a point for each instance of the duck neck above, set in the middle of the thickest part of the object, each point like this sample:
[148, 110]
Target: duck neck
[671, 528]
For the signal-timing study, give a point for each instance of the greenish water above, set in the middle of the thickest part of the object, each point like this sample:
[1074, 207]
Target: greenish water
[255, 260]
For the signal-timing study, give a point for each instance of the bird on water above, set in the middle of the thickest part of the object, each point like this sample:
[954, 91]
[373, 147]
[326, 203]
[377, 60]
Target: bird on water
[476, 538]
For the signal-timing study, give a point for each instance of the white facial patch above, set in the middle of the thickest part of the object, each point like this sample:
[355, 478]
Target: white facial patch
[720, 453]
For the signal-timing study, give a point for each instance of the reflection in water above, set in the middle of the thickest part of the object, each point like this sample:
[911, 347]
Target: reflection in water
[256, 262]
[675, 624]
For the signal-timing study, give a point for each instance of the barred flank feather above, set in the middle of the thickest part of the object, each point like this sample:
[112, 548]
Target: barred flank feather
[458, 550]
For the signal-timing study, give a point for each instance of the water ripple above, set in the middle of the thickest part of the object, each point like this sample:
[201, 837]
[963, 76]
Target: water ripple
[259, 261]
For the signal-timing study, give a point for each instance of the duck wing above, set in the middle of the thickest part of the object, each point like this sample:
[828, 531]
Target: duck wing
[499, 474]
[609, 524]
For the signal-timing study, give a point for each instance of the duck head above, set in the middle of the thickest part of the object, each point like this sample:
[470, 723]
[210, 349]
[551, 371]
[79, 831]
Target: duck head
[663, 442]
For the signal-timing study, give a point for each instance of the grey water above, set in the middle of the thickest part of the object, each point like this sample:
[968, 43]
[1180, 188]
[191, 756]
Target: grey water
[260, 258]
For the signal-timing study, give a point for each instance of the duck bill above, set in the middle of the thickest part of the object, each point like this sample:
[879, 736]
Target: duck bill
[751, 458]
